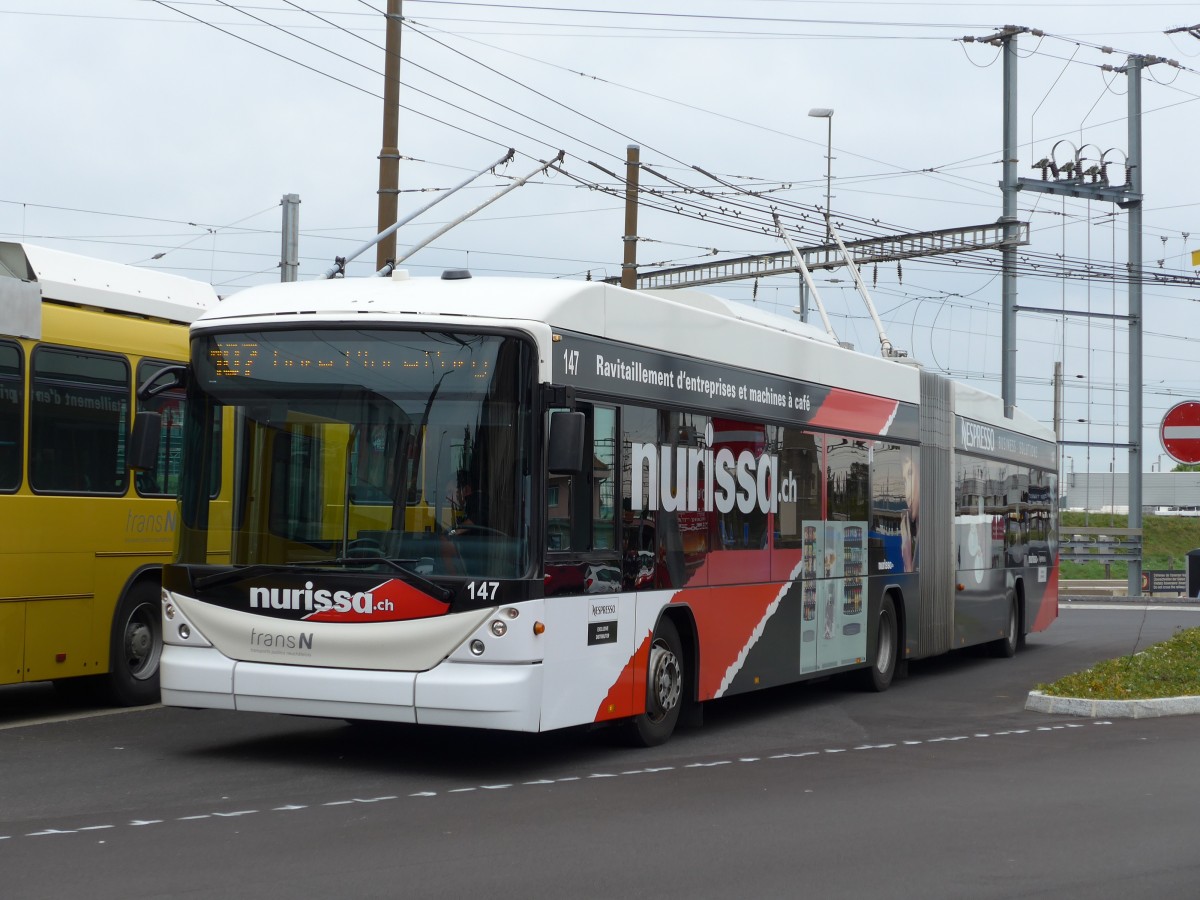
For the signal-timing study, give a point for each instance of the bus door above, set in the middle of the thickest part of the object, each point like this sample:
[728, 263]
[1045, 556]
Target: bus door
[588, 671]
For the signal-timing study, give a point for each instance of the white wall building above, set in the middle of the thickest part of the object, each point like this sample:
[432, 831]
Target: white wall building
[1163, 493]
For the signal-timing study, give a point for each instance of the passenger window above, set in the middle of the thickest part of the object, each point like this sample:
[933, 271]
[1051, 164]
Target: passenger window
[581, 511]
[163, 479]
[79, 418]
[800, 458]
[604, 478]
[11, 395]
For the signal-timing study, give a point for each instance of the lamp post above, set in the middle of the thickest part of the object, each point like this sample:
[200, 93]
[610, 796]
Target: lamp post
[825, 113]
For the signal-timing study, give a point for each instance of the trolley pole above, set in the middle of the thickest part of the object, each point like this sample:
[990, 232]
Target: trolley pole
[389, 154]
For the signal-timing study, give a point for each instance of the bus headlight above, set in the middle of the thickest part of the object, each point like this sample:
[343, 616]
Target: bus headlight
[477, 647]
[184, 631]
[499, 628]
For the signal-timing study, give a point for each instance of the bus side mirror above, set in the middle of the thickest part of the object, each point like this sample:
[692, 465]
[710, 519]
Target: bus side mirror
[167, 378]
[565, 453]
[144, 442]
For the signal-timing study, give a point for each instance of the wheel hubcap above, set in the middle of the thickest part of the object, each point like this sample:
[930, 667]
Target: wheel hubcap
[141, 652]
[665, 680]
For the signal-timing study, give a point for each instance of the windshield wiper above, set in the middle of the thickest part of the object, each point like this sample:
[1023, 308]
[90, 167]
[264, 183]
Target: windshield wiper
[403, 566]
[252, 571]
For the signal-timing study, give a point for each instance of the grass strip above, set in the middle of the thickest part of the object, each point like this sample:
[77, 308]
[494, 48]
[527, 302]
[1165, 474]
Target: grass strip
[1168, 669]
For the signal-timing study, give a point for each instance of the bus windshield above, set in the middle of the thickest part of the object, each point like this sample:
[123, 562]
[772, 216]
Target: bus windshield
[363, 448]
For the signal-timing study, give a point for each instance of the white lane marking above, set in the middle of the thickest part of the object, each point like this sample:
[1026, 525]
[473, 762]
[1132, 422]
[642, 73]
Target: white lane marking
[1189, 606]
[291, 807]
[87, 714]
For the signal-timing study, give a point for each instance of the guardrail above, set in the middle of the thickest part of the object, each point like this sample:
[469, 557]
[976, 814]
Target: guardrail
[1154, 584]
[1104, 545]
[1093, 587]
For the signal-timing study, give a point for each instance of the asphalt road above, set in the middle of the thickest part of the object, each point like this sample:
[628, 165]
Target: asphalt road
[943, 787]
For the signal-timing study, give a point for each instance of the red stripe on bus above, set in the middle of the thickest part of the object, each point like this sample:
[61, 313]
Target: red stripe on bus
[627, 696]
[392, 601]
[852, 411]
[726, 619]
[1048, 611]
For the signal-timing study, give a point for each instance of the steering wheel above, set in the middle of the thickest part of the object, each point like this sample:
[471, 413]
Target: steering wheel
[364, 547]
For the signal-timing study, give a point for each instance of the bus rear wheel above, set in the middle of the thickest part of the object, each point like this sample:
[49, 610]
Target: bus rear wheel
[136, 648]
[664, 688]
[878, 677]
[1006, 647]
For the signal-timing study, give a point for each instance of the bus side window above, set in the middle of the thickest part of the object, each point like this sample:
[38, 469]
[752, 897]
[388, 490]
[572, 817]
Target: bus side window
[78, 422]
[581, 510]
[603, 491]
[11, 395]
[163, 479]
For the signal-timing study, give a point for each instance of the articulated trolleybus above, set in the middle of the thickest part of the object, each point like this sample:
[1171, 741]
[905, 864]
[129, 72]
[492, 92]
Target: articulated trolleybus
[527, 505]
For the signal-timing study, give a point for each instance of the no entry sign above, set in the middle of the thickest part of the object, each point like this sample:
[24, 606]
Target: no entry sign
[1180, 432]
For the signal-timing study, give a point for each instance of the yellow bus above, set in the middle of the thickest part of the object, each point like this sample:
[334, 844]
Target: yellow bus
[82, 538]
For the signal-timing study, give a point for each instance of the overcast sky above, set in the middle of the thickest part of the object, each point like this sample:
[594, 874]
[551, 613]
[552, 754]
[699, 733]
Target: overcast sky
[164, 133]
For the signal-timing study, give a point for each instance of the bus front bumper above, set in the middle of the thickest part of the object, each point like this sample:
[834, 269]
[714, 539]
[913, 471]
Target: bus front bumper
[503, 696]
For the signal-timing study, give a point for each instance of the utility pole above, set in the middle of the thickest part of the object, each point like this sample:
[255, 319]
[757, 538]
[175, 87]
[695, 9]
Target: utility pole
[632, 167]
[289, 258]
[1008, 217]
[389, 154]
[1133, 80]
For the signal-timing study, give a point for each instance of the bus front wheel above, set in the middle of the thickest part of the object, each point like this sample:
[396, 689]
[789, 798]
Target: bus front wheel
[664, 688]
[136, 648]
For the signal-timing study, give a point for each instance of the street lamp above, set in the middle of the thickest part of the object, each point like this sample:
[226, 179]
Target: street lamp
[825, 113]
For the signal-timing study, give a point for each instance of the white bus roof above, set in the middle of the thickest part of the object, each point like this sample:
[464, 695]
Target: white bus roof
[686, 323]
[84, 280]
[972, 403]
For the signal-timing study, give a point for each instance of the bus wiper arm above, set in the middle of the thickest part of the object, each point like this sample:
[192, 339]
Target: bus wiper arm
[402, 566]
[216, 579]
